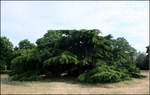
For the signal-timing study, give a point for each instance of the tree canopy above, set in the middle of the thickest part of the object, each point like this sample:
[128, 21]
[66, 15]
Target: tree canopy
[25, 44]
[83, 54]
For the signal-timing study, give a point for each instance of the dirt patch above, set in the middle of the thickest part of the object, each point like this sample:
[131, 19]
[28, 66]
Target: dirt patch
[70, 86]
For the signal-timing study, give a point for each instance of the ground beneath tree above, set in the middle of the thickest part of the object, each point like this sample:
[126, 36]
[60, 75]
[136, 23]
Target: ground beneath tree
[70, 86]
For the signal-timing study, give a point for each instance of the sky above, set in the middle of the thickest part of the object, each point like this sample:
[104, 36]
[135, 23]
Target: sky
[32, 19]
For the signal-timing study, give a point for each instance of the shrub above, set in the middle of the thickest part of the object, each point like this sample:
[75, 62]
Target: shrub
[138, 76]
[103, 74]
[103, 77]
[17, 65]
[28, 76]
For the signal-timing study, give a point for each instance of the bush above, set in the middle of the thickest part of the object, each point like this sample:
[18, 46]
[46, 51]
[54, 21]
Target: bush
[4, 72]
[18, 64]
[103, 77]
[28, 76]
[138, 76]
[103, 74]
[2, 65]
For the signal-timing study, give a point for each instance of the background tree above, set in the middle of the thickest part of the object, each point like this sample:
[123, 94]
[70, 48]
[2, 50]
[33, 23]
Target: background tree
[6, 48]
[141, 60]
[16, 48]
[147, 57]
[26, 44]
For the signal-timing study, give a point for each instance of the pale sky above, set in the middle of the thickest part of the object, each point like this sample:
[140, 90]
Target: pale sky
[32, 19]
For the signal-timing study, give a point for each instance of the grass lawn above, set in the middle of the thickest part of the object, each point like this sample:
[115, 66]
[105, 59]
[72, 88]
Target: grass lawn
[70, 86]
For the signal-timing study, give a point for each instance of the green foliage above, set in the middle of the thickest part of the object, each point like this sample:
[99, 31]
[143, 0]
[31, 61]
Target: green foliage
[2, 64]
[103, 74]
[63, 58]
[147, 58]
[49, 40]
[25, 44]
[6, 48]
[142, 61]
[27, 76]
[25, 61]
[18, 64]
[83, 54]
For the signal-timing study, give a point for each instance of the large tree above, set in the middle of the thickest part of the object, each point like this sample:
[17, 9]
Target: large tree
[83, 54]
